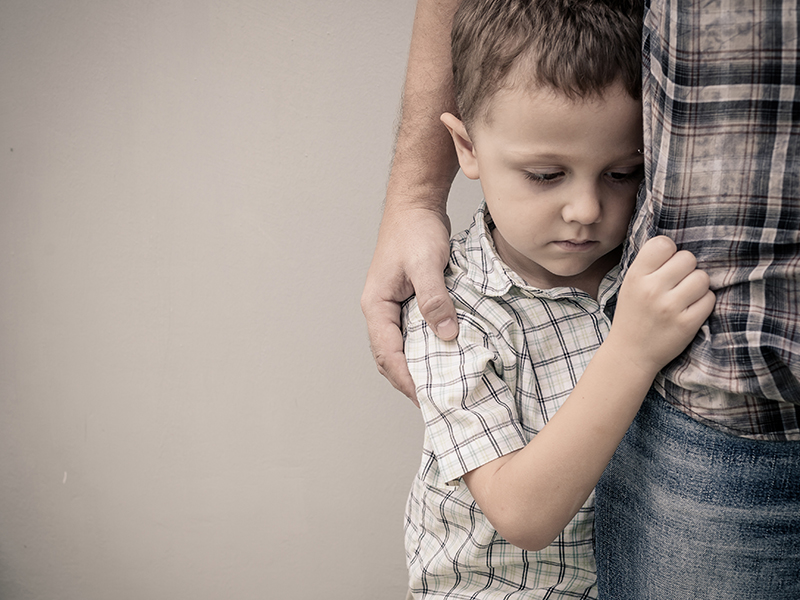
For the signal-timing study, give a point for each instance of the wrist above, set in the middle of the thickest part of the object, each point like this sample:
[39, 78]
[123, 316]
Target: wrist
[629, 358]
[416, 200]
[412, 197]
[423, 168]
[420, 187]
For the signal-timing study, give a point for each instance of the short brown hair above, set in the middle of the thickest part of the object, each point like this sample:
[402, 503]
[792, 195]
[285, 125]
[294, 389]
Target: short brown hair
[576, 47]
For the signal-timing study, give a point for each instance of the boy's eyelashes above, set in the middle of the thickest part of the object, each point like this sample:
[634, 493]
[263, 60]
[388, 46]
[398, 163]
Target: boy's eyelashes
[634, 173]
[543, 178]
[624, 176]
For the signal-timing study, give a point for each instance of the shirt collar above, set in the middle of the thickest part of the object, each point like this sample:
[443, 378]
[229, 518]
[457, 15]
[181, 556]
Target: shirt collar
[493, 277]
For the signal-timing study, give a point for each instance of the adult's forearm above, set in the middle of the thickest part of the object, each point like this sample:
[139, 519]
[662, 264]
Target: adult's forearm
[424, 160]
[413, 247]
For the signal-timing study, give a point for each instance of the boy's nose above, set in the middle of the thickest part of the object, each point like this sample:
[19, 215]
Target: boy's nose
[584, 206]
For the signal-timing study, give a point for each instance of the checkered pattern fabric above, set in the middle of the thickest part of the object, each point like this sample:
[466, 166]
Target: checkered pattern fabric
[519, 353]
[722, 120]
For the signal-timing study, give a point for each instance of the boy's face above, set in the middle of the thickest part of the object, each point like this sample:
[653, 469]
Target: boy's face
[560, 179]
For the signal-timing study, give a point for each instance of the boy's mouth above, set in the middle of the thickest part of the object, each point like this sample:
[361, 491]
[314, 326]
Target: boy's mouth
[576, 245]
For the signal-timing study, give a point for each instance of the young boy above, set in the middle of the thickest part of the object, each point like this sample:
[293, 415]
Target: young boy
[550, 122]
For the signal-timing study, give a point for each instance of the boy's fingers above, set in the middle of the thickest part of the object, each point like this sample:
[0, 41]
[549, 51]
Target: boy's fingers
[677, 268]
[695, 292]
[705, 306]
[695, 314]
[653, 255]
[694, 286]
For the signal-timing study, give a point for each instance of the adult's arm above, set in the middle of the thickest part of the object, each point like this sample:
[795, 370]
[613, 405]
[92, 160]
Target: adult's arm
[413, 240]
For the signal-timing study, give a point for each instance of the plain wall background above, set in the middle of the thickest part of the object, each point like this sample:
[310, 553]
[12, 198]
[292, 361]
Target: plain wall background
[189, 198]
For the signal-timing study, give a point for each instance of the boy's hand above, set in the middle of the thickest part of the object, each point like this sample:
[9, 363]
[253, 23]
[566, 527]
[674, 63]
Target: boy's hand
[662, 303]
[412, 252]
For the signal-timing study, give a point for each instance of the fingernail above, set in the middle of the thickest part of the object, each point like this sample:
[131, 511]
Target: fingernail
[447, 329]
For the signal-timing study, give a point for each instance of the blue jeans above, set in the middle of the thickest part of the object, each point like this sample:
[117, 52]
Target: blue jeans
[684, 511]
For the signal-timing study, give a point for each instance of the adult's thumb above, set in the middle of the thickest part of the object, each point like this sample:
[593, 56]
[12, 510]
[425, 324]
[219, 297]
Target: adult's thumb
[438, 311]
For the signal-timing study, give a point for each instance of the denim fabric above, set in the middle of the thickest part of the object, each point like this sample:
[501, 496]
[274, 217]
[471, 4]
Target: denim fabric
[684, 511]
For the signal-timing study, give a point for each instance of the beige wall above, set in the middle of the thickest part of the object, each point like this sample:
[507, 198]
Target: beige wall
[189, 197]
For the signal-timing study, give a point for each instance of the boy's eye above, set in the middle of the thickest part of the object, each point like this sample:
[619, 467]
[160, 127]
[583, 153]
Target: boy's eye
[543, 177]
[622, 176]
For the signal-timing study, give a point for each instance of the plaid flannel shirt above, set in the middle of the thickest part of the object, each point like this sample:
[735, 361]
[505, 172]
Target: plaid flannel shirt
[519, 353]
[722, 119]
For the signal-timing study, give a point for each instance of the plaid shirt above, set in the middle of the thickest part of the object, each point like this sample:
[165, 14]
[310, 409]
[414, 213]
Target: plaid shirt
[519, 353]
[722, 112]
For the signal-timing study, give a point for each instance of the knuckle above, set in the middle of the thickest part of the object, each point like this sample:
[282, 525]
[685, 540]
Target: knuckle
[365, 303]
[384, 366]
[664, 244]
[381, 359]
[689, 258]
[701, 281]
[433, 305]
[369, 300]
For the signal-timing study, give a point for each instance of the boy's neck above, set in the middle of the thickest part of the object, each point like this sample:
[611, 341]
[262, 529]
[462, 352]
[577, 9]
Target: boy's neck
[536, 276]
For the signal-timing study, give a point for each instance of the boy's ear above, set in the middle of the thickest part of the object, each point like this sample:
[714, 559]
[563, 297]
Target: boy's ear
[464, 147]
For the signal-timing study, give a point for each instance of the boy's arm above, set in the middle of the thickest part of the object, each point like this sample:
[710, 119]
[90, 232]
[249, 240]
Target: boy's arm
[530, 495]
[413, 240]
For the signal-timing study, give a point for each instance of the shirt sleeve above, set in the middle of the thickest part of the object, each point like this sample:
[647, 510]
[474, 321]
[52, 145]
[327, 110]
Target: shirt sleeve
[464, 388]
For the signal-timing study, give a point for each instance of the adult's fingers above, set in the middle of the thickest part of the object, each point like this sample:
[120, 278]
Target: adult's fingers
[386, 343]
[436, 305]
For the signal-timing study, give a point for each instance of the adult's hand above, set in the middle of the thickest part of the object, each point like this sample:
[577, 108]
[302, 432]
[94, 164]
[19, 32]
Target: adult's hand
[412, 252]
[413, 241]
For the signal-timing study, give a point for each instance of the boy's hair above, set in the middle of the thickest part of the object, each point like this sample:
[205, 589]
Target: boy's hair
[576, 47]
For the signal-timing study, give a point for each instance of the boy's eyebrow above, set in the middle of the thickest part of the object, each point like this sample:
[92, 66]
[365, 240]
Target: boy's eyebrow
[527, 156]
